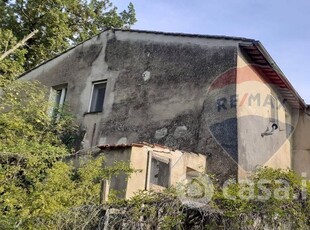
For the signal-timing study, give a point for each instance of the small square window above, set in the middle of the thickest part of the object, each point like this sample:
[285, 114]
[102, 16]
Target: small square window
[97, 98]
[191, 173]
[159, 173]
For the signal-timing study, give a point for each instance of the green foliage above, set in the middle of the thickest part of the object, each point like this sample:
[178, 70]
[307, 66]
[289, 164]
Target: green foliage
[29, 146]
[37, 181]
[61, 191]
[277, 198]
[61, 23]
[13, 64]
[148, 210]
[152, 210]
[24, 119]
[65, 191]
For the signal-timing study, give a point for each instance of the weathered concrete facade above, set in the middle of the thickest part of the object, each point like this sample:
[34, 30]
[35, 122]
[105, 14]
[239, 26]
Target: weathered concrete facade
[301, 146]
[161, 88]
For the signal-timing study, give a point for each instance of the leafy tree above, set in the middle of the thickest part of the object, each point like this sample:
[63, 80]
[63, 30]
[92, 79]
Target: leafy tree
[37, 184]
[29, 144]
[61, 23]
[13, 64]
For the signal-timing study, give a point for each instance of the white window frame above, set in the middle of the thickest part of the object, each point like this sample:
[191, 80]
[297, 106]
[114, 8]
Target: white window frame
[92, 95]
[63, 95]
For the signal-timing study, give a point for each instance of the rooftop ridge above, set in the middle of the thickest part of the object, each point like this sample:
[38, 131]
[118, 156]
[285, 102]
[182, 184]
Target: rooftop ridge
[224, 37]
[180, 34]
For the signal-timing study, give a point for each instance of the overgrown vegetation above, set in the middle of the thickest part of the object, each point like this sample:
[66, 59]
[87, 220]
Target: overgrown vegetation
[271, 198]
[36, 183]
[151, 210]
[41, 189]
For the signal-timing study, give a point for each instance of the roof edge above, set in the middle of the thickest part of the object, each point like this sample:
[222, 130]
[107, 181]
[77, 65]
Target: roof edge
[142, 31]
[274, 65]
[143, 144]
[178, 34]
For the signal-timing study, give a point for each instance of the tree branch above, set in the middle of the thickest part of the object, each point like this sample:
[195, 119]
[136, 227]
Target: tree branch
[19, 44]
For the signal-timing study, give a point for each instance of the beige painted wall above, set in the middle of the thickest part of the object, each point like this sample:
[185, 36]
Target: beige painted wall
[111, 156]
[255, 117]
[139, 181]
[138, 161]
[301, 149]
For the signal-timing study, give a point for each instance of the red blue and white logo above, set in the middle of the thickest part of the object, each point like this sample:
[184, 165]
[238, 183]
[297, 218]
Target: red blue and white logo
[250, 117]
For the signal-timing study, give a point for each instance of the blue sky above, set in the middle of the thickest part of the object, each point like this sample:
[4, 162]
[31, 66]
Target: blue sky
[283, 27]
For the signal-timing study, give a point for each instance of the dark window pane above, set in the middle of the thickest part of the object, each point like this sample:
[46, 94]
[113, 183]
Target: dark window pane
[98, 97]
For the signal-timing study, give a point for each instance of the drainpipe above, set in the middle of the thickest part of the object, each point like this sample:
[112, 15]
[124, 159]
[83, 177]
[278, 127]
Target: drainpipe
[148, 161]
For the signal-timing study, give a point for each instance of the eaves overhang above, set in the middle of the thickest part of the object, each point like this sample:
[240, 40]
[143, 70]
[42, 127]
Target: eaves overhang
[260, 58]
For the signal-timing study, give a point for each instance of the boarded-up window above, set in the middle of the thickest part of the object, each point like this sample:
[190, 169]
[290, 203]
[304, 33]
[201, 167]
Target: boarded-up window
[160, 172]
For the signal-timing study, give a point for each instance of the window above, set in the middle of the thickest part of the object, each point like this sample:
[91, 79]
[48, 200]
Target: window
[160, 172]
[60, 97]
[97, 98]
[191, 174]
[59, 94]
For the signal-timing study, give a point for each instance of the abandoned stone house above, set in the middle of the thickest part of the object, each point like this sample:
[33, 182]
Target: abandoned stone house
[223, 97]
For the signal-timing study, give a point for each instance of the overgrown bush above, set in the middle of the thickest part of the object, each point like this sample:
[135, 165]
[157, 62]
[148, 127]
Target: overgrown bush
[153, 210]
[36, 184]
